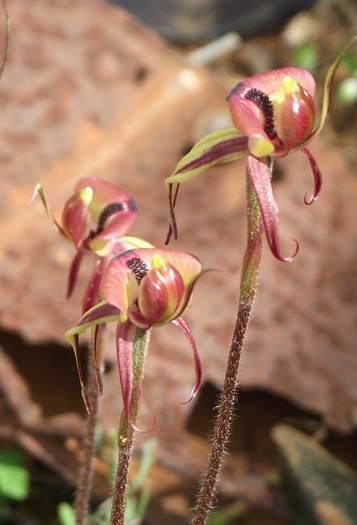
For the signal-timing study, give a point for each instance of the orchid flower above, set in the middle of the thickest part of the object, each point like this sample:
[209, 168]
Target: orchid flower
[141, 289]
[95, 219]
[274, 113]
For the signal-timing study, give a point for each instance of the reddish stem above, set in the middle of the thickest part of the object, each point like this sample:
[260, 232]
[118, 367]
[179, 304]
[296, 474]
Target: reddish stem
[127, 431]
[248, 286]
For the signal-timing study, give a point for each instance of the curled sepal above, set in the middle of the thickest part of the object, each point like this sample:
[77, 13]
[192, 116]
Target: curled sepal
[124, 345]
[181, 324]
[317, 177]
[328, 85]
[40, 192]
[218, 147]
[259, 174]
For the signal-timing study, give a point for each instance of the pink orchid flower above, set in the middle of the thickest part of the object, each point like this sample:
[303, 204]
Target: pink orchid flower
[274, 113]
[95, 219]
[141, 289]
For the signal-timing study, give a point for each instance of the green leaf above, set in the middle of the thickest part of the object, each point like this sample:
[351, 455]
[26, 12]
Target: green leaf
[216, 519]
[321, 488]
[102, 514]
[14, 478]
[306, 55]
[66, 514]
[146, 462]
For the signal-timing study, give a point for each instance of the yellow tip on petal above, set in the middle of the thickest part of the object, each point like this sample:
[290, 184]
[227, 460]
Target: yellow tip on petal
[101, 247]
[157, 262]
[259, 146]
[290, 86]
[86, 195]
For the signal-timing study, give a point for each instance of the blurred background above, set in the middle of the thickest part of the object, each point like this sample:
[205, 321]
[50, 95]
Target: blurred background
[90, 88]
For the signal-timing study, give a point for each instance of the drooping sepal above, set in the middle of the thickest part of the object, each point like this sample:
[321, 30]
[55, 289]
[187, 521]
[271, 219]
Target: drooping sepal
[91, 293]
[73, 273]
[124, 346]
[181, 324]
[259, 174]
[97, 316]
[317, 177]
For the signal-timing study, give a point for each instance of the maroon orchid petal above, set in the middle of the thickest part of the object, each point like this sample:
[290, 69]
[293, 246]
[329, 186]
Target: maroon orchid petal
[161, 292]
[84, 390]
[317, 177]
[73, 273]
[270, 81]
[295, 117]
[124, 343]
[91, 294]
[259, 174]
[112, 209]
[75, 218]
[180, 323]
[116, 219]
[97, 351]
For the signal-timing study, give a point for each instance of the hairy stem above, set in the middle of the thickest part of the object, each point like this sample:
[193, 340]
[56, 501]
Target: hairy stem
[248, 286]
[126, 430]
[81, 504]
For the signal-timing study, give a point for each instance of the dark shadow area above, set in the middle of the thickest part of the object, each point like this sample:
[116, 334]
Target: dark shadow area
[48, 370]
[257, 413]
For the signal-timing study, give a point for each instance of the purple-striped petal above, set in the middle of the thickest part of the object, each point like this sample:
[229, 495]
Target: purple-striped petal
[98, 314]
[124, 344]
[317, 177]
[218, 147]
[181, 324]
[259, 174]
[73, 273]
